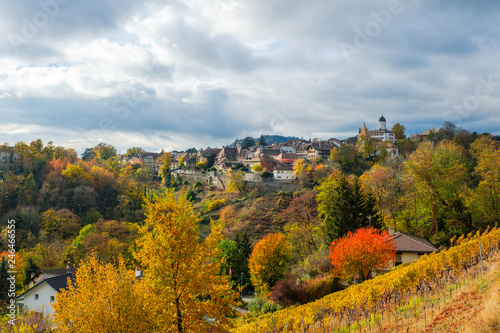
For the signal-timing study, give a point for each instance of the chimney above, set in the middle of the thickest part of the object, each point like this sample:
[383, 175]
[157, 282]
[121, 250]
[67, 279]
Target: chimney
[67, 266]
[32, 275]
[138, 272]
[391, 231]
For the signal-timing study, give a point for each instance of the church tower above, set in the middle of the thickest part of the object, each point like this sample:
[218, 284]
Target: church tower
[381, 123]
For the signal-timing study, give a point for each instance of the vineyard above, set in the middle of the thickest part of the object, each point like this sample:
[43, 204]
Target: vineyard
[393, 301]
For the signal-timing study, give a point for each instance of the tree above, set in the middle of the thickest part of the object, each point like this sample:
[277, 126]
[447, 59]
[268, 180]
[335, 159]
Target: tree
[269, 261]
[361, 252]
[399, 131]
[104, 151]
[243, 243]
[62, 223]
[181, 273]
[29, 268]
[115, 308]
[135, 151]
[181, 162]
[88, 154]
[203, 165]
[366, 146]
[435, 187]
[166, 169]
[233, 263]
[236, 181]
[247, 142]
[344, 206]
[257, 168]
[228, 216]
[262, 141]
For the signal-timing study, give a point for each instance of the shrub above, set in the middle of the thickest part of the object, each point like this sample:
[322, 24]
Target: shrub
[269, 307]
[322, 286]
[255, 305]
[289, 291]
[216, 204]
[267, 174]
[190, 195]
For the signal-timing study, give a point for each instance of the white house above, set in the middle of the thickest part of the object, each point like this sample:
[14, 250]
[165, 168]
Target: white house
[41, 296]
[283, 172]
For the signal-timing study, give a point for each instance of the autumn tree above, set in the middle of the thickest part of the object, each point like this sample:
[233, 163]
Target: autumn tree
[303, 229]
[485, 200]
[361, 252]
[366, 146]
[435, 187]
[102, 298]
[385, 183]
[344, 206]
[257, 168]
[203, 165]
[181, 273]
[236, 181]
[399, 131]
[62, 223]
[228, 216]
[269, 261]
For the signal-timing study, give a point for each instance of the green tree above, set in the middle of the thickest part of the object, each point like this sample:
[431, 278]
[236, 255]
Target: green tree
[243, 242]
[166, 169]
[247, 142]
[233, 263]
[262, 141]
[181, 273]
[135, 151]
[29, 268]
[344, 206]
[104, 151]
[62, 223]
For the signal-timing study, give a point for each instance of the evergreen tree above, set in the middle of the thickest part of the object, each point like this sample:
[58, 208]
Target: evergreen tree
[262, 141]
[4, 283]
[29, 267]
[344, 206]
[243, 243]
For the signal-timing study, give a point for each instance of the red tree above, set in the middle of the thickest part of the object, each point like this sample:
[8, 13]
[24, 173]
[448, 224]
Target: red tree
[362, 252]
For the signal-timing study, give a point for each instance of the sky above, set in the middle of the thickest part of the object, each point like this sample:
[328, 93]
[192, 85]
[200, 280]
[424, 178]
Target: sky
[180, 74]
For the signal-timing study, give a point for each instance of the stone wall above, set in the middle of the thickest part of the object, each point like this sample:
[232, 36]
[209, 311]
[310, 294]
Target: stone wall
[221, 180]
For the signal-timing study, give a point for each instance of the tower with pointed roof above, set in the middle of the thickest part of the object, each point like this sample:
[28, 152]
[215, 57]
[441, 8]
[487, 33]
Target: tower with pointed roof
[382, 123]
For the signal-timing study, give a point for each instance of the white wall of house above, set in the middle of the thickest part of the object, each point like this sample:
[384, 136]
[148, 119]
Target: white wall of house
[42, 303]
[284, 174]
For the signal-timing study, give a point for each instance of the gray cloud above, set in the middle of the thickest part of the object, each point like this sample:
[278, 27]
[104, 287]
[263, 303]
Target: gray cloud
[195, 73]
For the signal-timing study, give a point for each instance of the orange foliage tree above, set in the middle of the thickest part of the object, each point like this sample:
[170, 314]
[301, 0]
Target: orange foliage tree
[362, 252]
[269, 261]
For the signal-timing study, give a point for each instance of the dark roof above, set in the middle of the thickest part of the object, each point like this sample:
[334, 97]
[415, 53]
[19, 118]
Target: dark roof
[60, 282]
[410, 243]
[381, 118]
[57, 282]
[51, 272]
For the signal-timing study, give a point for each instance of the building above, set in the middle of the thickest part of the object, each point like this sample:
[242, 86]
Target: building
[42, 295]
[284, 172]
[381, 133]
[409, 248]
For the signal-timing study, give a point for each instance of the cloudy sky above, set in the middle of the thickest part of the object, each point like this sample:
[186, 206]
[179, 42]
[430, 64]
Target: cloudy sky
[177, 74]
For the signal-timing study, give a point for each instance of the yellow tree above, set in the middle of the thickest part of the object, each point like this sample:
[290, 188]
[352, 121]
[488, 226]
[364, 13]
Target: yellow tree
[269, 261]
[102, 298]
[181, 272]
[236, 181]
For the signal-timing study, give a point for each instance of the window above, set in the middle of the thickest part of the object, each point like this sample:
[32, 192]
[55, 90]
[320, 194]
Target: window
[399, 259]
[36, 297]
[52, 299]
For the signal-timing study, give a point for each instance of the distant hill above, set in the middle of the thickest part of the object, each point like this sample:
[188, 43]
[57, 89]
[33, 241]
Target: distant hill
[270, 139]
